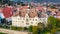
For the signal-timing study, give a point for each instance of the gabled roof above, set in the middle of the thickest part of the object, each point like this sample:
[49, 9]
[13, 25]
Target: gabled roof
[58, 14]
[7, 12]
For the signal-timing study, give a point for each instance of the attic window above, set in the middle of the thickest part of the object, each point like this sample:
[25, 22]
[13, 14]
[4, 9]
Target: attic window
[23, 12]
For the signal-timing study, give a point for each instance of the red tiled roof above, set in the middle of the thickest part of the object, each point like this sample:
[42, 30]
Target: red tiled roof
[20, 8]
[58, 14]
[23, 7]
[40, 8]
[7, 12]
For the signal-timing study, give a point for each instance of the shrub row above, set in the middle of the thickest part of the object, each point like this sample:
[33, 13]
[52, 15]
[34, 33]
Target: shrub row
[16, 28]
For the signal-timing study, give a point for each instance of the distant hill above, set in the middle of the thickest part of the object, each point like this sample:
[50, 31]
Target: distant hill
[55, 1]
[40, 1]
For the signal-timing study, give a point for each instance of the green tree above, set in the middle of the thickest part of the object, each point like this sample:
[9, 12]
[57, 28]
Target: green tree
[30, 28]
[4, 21]
[52, 7]
[51, 24]
[34, 29]
[41, 27]
[58, 23]
[52, 21]
[25, 28]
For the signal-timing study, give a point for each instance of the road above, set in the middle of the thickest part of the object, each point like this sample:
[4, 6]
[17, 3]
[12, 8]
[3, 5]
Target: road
[12, 31]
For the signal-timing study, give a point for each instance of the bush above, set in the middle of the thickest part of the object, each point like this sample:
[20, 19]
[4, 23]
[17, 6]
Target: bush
[46, 33]
[29, 33]
[2, 33]
[58, 29]
[0, 25]
[52, 7]
[58, 23]
[25, 28]
[9, 23]
[16, 28]
[53, 30]
[30, 28]
[5, 26]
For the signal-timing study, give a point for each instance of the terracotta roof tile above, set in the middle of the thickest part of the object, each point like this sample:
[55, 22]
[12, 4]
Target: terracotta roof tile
[7, 12]
[58, 14]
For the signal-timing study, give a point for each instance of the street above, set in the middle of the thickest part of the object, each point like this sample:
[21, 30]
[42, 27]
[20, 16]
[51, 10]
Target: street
[12, 31]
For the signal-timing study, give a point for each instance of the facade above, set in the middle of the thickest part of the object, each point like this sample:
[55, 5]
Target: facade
[26, 18]
[26, 21]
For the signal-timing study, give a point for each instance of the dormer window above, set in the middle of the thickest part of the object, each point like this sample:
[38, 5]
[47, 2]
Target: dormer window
[23, 12]
[32, 12]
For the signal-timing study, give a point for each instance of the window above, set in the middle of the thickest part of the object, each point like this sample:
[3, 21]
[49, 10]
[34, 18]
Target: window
[31, 22]
[36, 19]
[36, 23]
[40, 19]
[32, 12]
[18, 19]
[30, 19]
[14, 21]
[22, 21]
[33, 19]
[27, 23]
[44, 21]
[23, 12]
[26, 20]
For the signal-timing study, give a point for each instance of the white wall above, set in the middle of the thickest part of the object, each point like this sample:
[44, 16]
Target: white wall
[21, 21]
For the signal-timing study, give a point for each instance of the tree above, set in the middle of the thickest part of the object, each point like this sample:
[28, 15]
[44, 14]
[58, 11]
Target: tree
[52, 7]
[51, 24]
[25, 28]
[41, 27]
[4, 21]
[34, 29]
[52, 21]
[58, 23]
[30, 28]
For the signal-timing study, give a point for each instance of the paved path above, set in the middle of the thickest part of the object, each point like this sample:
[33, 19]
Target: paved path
[12, 31]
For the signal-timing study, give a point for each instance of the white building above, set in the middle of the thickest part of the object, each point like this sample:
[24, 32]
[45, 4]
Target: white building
[27, 17]
[26, 21]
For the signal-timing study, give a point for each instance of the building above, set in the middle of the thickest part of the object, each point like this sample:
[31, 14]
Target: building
[26, 18]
